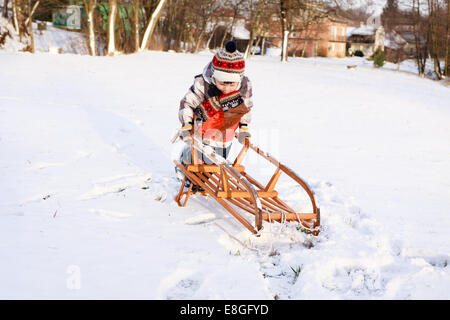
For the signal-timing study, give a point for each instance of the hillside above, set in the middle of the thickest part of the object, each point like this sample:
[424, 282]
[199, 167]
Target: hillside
[87, 188]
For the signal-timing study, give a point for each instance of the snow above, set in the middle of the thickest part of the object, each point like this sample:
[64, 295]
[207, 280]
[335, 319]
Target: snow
[364, 30]
[12, 41]
[57, 38]
[49, 40]
[88, 182]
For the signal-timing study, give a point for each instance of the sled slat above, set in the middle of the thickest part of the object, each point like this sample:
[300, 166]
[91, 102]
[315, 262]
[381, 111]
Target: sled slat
[273, 181]
[210, 168]
[243, 194]
[276, 216]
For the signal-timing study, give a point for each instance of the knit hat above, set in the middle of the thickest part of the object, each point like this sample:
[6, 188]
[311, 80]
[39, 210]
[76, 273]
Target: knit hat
[228, 64]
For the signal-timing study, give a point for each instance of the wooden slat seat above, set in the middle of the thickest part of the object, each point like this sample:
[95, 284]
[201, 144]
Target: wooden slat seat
[210, 168]
[244, 194]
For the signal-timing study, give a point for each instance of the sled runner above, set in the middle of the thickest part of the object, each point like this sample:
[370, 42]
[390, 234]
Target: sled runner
[236, 191]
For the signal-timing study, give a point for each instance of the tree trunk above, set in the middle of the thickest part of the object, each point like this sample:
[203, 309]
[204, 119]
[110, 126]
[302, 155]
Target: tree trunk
[249, 45]
[211, 36]
[36, 4]
[306, 41]
[284, 31]
[263, 45]
[111, 27]
[447, 42]
[30, 27]
[15, 19]
[433, 10]
[421, 55]
[231, 26]
[90, 7]
[285, 46]
[256, 45]
[5, 8]
[152, 24]
[199, 40]
[136, 25]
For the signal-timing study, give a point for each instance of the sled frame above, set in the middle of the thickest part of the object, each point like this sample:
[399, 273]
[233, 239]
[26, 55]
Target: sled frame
[236, 191]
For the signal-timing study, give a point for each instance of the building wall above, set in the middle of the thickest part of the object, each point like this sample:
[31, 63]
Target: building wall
[327, 39]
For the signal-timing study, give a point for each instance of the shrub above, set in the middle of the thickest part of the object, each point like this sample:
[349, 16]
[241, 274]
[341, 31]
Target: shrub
[359, 53]
[378, 58]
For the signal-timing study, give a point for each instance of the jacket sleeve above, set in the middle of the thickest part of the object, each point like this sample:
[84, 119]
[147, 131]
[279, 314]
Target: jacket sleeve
[193, 98]
[247, 94]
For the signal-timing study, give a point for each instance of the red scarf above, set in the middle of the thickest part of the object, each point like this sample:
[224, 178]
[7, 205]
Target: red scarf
[222, 114]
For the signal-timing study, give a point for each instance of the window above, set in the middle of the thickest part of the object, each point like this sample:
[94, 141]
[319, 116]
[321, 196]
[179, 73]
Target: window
[331, 47]
[333, 32]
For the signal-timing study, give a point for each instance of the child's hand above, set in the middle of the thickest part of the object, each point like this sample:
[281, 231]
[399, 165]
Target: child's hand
[243, 134]
[185, 133]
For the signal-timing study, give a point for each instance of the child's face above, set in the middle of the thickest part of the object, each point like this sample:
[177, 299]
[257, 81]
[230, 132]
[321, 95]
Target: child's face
[226, 87]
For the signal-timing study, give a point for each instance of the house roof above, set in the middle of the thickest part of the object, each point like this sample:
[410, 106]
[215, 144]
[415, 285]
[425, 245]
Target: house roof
[393, 40]
[240, 32]
[364, 30]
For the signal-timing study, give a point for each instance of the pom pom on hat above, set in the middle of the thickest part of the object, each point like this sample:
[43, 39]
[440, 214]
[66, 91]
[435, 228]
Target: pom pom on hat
[228, 63]
[230, 46]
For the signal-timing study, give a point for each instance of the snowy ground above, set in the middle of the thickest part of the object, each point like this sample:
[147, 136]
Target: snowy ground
[87, 182]
[50, 40]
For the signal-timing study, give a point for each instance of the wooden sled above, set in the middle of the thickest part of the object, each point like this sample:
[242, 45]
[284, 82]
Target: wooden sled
[235, 190]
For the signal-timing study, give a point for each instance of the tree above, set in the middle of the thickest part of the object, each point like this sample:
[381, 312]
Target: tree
[390, 14]
[111, 27]
[5, 8]
[378, 58]
[152, 24]
[257, 10]
[284, 29]
[236, 6]
[447, 41]
[437, 32]
[90, 7]
[31, 8]
[420, 33]
[136, 25]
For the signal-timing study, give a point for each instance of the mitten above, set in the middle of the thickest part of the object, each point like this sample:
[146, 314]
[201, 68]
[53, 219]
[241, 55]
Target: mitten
[243, 133]
[185, 133]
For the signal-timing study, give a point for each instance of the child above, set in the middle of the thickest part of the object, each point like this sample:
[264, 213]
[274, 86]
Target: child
[221, 99]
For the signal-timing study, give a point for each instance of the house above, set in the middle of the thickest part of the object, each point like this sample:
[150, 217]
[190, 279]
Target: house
[366, 38]
[325, 37]
[394, 47]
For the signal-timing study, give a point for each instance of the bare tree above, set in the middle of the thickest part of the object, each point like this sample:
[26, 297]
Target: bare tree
[152, 24]
[90, 7]
[5, 9]
[390, 14]
[420, 33]
[14, 16]
[111, 38]
[447, 41]
[136, 25]
[284, 29]
[260, 12]
[436, 43]
[236, 7]
[31, 8]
